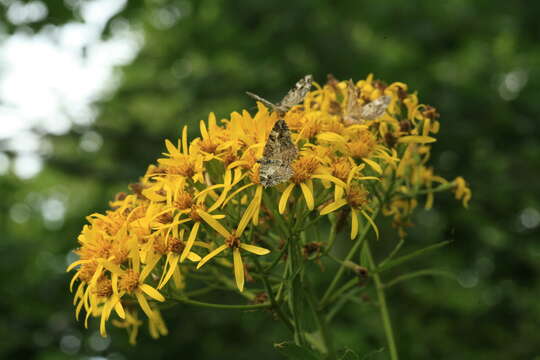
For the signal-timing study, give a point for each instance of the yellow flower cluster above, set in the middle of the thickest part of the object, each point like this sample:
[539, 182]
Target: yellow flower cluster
[204, 198]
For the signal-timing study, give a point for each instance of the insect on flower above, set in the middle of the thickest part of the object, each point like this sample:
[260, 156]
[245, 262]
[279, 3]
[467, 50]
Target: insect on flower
[294, 97]
[354, 113]
[280, 151]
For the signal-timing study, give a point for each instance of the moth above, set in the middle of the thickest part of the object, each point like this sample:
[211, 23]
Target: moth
[280, 151]
[278, 155]
[294, 97]
[355, 113]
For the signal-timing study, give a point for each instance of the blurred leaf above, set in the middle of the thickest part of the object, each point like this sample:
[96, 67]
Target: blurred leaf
[294, 352]
[414, 274]
[411, 256]
[349, 355]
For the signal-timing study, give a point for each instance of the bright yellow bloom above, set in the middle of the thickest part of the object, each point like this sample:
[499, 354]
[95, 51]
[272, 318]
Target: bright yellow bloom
[356, 197]
[139, 247]
[232, 241]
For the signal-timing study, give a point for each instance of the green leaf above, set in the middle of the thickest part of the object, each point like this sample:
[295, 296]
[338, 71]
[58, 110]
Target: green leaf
[393, 253]
[364, 257]
[316, 340]
[413, 255]
[371, 354]
[295, 352]
[349, 355]
[418, 273]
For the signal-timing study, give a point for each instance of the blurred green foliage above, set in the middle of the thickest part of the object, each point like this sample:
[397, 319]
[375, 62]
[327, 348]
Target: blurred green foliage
[476, 61]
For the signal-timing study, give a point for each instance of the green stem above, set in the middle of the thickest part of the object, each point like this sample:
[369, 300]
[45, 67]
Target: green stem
[385, 317]
[221, 306]
[332, 235]
[321, 321]
[275, 306]
[295, 290]
[349, 284]
[352, 251]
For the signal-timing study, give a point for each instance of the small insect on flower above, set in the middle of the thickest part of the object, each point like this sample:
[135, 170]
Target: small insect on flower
[280, 151]
[294, 97]
[354, 113]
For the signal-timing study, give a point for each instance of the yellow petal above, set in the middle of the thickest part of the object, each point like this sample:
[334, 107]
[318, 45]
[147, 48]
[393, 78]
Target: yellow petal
[258, 198]
[330, 178]
[173, 263]
[191, 240]
[150, 291]
[211, 255]
[104, 316]
[416, 139]
[120, 310]
[354, 224]
[150, 264]
[114, 281]
[238, 269]
[373, 165]
[368, 178]
[351, 175]
[227, 181]
[426, 126]
[331, 137]
[371, 222]
[184, 141]
[338, 193]
[204, 133]
[214, 224]
[136, 261]
[236, 192]
[150, 194]
[308, 195]
[257, 250]
[333, 206]
[171, 148]
[178, 279]
[144, 304]
[193, 257]
[246, 217]
[284, 198]
[73, 281]
[76, 263]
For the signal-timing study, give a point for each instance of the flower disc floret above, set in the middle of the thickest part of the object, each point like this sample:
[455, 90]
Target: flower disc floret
[129, 281]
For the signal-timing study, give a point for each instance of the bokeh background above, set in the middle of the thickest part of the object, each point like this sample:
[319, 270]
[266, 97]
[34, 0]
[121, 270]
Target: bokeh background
[89, 90]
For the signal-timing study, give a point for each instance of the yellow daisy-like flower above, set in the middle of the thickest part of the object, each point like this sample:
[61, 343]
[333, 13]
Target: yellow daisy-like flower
[356, 197]
[148, 247]
[232, 241]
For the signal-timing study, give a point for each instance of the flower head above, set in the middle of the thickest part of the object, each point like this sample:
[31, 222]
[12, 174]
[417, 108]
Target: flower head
[354, 148]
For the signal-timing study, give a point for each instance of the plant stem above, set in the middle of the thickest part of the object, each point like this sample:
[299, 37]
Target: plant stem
[221, 306]
[332, 235]
[339, 273]
[295, 290]
[275, 306]
[385, 317]
[321, 321]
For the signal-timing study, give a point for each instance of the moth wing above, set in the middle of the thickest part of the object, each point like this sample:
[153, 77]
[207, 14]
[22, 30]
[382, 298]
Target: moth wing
[278, 155]
[279, 144]
[274, 171]
[353, 110]
[297, 94]
[375, 108]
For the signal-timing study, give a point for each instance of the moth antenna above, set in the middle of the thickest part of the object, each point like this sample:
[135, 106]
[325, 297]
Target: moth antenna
[258, 98]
